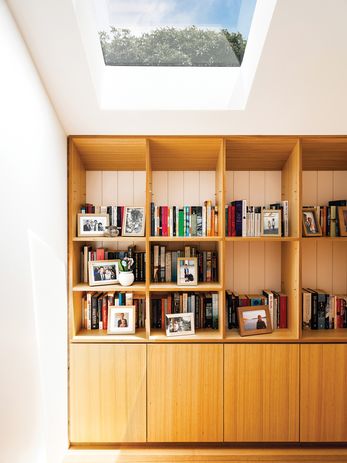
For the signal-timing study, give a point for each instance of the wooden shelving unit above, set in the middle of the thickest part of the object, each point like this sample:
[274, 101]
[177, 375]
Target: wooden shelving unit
[170, 170]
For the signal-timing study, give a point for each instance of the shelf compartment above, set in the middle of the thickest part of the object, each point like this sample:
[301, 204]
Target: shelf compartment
[101, 336]
[136, 287]
[279, 335]
[338, 335]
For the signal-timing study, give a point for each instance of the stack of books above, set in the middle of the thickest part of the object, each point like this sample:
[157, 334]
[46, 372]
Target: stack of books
[184, 221]
[95, 306]
[276, 301]
[164, 264]
[323, 311]
[244, 220]
[328, 217]
[203, 305]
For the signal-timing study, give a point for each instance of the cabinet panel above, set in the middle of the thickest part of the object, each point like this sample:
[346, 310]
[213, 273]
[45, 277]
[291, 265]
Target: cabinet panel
[185, 393]
[261, 393]
[107, 393]
[323, 409]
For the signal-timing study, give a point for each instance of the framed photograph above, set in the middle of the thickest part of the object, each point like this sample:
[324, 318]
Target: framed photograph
[179, 324]
[103, 272]
[254, 320]
[187, 271]
[92, 224]
[121, 319]
[310, 223]
[134, 221]
[271, 222]
[343, 220]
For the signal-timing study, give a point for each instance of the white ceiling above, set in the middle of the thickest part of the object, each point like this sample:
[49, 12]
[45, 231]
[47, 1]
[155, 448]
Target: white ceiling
[299, 84]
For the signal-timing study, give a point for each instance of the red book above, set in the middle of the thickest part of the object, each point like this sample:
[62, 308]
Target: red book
[229, 220]
[163, 319]
[169, 303]
[339, 320]
[104, 313]
[100, 254]
[164, 220]
[283, 311]
[233, 221]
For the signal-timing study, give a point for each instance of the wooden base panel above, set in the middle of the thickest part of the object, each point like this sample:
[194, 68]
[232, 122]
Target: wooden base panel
[225, 455]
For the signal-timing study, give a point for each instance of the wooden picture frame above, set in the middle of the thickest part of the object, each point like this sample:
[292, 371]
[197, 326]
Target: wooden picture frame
[133, 221]
[271, 222]
[98, 221]
[310, 223]
[187, 271]
[121, 319]
[109, 274]
[342, 220]
[254, 320]
[179, 324]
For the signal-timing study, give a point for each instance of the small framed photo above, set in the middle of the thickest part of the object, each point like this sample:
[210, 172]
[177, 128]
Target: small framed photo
[179, 324]
[92, 224]
[134, 221]
[103, 272]
[121, 319]
[271, 222]
[254, 320]
[187, 271]
[310, 223]
[343, 220]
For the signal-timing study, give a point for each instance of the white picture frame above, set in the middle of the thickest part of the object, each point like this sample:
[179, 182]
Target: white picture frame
[103, 272]
[96, 223]
[187, 271]
[179, 324]
[121, 319]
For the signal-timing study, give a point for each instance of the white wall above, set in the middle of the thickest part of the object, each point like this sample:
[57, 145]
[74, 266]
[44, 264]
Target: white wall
[33, 405]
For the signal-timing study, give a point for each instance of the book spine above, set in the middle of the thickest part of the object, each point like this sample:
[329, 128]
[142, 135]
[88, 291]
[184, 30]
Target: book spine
[244, 217]
[215, 311]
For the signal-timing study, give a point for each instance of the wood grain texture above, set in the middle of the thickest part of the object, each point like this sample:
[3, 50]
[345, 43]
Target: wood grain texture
[324, 153]
[323, 411]
[107, 393]
[185, 393]
[291, 189]
[261, 393]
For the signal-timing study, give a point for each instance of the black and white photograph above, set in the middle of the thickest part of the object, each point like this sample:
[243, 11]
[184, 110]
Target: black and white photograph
[92, 224]
[271, 222]
[121, 320]
[254, 320]
[179, 324]
[134, 221]
[187, 273]
[310, 223]
[103, 272]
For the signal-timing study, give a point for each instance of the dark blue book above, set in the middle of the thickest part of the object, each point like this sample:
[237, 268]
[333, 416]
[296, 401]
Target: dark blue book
[238, 217]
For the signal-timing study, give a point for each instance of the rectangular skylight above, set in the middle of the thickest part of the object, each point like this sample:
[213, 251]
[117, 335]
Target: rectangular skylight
[202, 33]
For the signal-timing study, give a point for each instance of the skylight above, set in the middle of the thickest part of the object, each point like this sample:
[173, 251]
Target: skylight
[199, 33]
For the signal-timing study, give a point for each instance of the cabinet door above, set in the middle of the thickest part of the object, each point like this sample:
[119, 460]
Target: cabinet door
[323, 408]
[107, 393]
[261, 393]
[185, 393]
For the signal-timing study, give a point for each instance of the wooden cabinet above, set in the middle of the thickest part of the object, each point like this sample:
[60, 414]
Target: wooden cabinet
[107, 393]
[323, 408]
[185, 393]
[261, 393]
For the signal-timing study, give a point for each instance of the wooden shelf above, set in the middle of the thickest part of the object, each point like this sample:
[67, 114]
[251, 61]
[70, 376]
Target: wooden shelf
[116, 239]
[325, 238]
[261, 238]
[163, 287]
[279, 335]
[182, 239]
[136, 287]
[203, 335]
[338, 335]
[96, 336]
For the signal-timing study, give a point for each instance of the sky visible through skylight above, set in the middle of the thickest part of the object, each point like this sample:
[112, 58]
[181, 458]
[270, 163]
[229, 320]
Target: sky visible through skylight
[142, 17]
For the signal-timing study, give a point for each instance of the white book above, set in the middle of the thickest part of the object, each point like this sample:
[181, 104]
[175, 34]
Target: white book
[168, 267]
[128, 298]
[171, 220]
[156, 221]
[306, 308]
[270, 301]
[204, 217]
[114, 216]
[89, 311]
[285, 218]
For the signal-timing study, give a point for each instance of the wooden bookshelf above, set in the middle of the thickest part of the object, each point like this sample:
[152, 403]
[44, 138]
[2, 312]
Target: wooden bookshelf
[177, 170]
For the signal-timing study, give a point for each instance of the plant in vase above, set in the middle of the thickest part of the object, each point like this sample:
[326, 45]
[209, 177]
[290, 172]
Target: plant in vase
[126, 276]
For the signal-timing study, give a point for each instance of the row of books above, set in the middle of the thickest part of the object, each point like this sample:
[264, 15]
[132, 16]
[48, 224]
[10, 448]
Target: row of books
[95, 306]
[244, 220]
[89, 254]
[329, 218]
[164, 264]
[184, 221]
[203, 305]
[115, 213]
[323, 311]
[277, 302]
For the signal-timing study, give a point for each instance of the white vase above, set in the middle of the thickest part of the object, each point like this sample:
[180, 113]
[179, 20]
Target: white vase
[126, 278]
